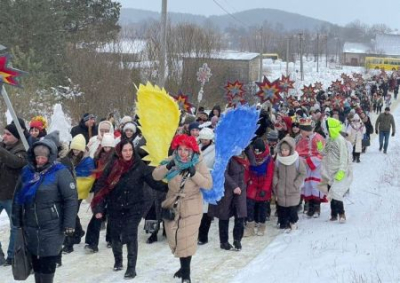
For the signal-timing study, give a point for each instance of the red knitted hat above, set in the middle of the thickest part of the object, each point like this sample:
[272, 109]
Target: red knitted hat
[36, 124]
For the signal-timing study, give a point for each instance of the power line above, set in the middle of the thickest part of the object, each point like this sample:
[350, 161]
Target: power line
[229, 13]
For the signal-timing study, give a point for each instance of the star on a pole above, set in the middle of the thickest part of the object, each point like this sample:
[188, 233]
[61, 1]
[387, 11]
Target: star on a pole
[9, 75]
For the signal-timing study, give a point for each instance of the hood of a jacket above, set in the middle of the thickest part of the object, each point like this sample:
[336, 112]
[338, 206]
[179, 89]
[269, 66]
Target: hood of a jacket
[334, 127]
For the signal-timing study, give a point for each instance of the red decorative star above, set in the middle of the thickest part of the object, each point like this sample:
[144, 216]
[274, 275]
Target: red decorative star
[337, 85]
[308, 91]
[183, 102]
[318, 85]
[269, 91]
[234, 93]
[285, 83]
[357, 75]
[337, 101]
[9, 75]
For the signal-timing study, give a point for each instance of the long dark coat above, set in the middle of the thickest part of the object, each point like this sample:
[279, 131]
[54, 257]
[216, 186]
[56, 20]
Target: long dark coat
[232, 204]
[54, 208]
[125, 203]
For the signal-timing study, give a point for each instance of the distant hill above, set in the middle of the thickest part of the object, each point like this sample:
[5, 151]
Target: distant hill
[288, 21]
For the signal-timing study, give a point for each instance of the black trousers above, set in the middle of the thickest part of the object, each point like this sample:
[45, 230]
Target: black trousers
[313, 206]
[257, 210]
[238, 230]
[131, 242]
[93, 232]
[70, 241]
[204, 227]
[336, 207]
[44, 265]
[287, 215]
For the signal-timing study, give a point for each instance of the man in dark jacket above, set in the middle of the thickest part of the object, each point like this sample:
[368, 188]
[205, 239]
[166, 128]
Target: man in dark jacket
[87, 127]
[383, 124]
[12, 159]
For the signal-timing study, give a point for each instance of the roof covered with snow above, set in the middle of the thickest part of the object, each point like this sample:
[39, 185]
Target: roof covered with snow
[124, 46]
[355, 47]
[388, 44]
[228, 55]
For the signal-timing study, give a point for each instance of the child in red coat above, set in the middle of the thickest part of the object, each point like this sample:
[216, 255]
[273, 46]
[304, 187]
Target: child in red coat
[259, 178]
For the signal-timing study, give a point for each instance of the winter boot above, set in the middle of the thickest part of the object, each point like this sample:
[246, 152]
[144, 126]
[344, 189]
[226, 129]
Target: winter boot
[306, 207]
[249, 230]
[226, 246]
[153, 238]
[118, 264]
[67, 249]
[46, 278]
[358, 159]
[178, 274]
[185, 268]
[237, 245]
[38, 278]
[317, 210]
[130, 273]
[342, 218]
[261, 229]
[293, 226]
[2, 258]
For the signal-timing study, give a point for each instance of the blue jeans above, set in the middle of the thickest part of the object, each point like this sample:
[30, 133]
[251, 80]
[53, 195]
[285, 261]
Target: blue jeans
[384, 135]
[6, 205]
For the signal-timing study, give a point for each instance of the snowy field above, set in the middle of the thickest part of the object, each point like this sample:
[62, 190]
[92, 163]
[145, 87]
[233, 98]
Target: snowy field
[364, 250]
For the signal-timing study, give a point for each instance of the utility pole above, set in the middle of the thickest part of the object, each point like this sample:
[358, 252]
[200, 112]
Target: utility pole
[326, 50]
[261, 53]
[301, 57]
[317, 52]
[163, 41]
[287, 56]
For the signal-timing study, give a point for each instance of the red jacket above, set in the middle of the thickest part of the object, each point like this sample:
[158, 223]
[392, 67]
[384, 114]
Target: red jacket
[259, 187]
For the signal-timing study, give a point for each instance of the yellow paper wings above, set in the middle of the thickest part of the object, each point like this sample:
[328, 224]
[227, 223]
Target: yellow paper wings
[159, 119]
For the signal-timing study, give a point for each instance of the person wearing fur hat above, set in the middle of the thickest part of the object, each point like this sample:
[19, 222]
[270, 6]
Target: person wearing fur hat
[13, 158]
[186, 173]
[307, 147]
[83, 173]
[356, 131]
[95, 142]
[45, 206]
[259, 177]
[207, 147]
[86, 127]
[336, 169]
[122, 122]
[289, 175]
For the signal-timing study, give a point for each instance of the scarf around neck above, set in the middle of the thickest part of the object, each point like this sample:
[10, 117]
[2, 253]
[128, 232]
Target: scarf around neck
[179, 165]
[119, 167]
[31, 181]
[288, 160]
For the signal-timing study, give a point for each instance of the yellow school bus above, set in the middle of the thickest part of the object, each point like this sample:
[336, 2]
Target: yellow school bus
[386, 63]
[273, 56]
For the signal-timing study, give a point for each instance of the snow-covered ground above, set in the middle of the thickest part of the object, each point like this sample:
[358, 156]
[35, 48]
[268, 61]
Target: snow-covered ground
[365, 249]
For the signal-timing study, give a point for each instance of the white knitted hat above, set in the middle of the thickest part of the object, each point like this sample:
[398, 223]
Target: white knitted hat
[108, 140]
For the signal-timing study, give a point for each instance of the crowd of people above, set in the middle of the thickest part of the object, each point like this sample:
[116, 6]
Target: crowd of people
[301, 156]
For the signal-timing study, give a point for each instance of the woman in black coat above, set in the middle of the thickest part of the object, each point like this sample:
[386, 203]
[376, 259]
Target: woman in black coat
[232, 204]
[45, 205]
[120, 188]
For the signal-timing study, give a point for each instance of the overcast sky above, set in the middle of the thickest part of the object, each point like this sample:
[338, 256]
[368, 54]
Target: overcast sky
[335, 11]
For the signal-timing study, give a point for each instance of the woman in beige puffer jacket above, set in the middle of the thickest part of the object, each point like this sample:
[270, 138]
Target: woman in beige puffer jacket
[185, 167]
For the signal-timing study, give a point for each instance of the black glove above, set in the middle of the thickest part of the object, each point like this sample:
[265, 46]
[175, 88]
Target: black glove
[192, 171]
[393, 134]
[69, 232]
[376, 131]
[170, 164]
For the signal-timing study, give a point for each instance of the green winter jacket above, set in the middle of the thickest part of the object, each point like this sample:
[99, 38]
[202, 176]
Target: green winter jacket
[384, 122]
